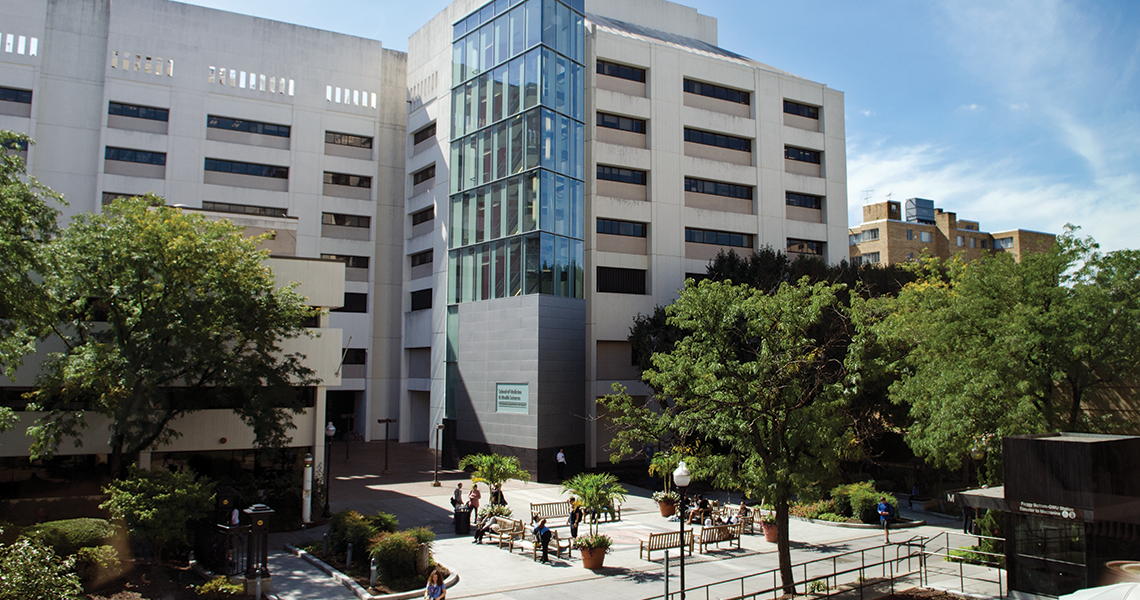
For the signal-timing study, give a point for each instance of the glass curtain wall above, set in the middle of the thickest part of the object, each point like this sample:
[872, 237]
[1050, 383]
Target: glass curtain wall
[517, 151]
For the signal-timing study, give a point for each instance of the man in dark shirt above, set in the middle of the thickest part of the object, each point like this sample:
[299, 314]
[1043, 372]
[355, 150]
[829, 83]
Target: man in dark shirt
[542, 533]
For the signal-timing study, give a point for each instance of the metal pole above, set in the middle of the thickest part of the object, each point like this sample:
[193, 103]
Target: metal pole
[386, 423]
[307, 492]
[666, 574]
[328, 475]
[681, 520]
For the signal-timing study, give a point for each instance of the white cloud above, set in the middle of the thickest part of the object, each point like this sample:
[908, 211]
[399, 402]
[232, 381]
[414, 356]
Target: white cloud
[995, 194]
[970, 107]
[1021, 106]
[868, 113]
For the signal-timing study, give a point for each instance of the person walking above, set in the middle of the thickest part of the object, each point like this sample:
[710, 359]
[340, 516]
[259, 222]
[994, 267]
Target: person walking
[884, 509]
[473, 498]
[576, 516]
[560, 462]
[457, 496]
[436, 589]
[543, 534]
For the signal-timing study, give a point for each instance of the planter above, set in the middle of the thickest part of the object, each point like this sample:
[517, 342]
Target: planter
[771, 532]
[592, 558]
[667, 508]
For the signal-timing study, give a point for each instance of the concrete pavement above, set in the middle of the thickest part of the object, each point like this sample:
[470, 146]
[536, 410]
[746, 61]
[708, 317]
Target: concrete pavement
[489, 572]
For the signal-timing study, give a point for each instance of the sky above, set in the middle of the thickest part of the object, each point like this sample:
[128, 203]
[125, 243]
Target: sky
[1014, 113]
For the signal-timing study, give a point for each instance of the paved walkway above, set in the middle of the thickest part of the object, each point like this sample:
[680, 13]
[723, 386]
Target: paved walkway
[492, 573]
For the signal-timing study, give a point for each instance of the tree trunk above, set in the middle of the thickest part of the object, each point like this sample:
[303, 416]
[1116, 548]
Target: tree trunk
[115, 461]
[783, 548]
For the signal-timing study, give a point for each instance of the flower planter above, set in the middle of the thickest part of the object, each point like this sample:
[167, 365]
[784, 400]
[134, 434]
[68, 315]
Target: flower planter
[592, 558]
[667, 508]
[771, 532]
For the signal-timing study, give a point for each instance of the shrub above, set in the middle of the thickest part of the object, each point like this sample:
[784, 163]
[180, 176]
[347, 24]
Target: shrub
[384, 522]
[68, 536]
[220, 588]
[422, 535]
[499, 510]
[97, 565]
[832, 517]
[350, 527]
[30, 570]
[159, 505]
[395, 555]
[812, 510]
[860, 500]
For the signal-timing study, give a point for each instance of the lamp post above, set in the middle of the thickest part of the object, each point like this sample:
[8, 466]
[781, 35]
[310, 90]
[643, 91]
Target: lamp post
[438, 428]
[330, 431]
[978, 453]
[681, 478]
[386, 422]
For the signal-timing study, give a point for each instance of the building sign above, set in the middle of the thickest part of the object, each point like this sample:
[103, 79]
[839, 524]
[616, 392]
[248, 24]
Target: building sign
[1049, 510]
[512, 397]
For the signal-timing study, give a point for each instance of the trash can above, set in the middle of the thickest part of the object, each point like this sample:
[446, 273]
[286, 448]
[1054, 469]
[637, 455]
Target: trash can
[462, 520]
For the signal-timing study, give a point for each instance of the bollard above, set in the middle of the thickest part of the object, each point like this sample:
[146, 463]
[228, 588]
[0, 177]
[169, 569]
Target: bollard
[348, 559]
[325, 547]
[257, 593]
[303, 540]
[371, 573]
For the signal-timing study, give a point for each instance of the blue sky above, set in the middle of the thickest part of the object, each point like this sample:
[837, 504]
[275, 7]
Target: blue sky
[1015, 113]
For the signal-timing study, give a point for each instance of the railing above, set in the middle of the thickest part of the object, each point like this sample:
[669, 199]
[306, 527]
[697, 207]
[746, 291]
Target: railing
[857, 569]
[223, 548]
[941, 546]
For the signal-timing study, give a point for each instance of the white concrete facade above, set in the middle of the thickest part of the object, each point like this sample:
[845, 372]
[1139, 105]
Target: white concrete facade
[197, 65]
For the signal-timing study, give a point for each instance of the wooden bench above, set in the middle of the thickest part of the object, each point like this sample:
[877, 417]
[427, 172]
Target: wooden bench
[561, 510]
[664, 541]
[505, 531]
[557, 546]
[728, 511]
[720, 533]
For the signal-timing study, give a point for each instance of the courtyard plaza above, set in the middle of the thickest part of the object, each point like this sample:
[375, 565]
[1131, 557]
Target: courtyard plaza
[487, 571]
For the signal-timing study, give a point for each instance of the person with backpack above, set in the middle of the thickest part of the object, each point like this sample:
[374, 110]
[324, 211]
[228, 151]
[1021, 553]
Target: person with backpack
[885, 514]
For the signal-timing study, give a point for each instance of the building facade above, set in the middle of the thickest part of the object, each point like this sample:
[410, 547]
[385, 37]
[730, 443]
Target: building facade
[273, 126]
[569, 164]
[886, 237]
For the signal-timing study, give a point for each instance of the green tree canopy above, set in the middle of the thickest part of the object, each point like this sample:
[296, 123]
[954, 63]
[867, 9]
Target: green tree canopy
[165, 313]
[995, 347]
[758, 378]
[159, 506]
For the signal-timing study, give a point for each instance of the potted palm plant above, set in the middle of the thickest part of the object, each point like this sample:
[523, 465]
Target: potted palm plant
[662, 464]
[598, 492]
[493, 469]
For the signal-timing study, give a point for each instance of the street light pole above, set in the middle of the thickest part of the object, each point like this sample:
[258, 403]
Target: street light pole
[330, 431]
[438, 428]
[386, 422]
[681, 478]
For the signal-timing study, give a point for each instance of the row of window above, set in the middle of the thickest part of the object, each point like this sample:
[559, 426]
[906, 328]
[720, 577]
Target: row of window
[15, 95]
[716, 188]
[719, 140]
[244, 168]
[135, 156]
[717, 91]
[151, 113]
[923, 236]
[353, 262]
[360, 181]
[704, 186]
[719, 238]
[621, 175]
[621, 123]
[626, 228]
[425, 174]
[243, 209]
[232, 166]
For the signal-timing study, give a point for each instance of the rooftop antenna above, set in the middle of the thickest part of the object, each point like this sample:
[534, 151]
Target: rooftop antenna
[889, 196]
[867, 195]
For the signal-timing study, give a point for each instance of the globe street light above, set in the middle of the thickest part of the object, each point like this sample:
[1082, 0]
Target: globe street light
[681, 478]
[330, 431]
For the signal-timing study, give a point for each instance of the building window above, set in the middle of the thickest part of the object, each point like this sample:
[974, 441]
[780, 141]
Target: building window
[423, 258]
[716, 188]
[14, 95]
[347, 139]
[925, 236]
[353, 303]
[621, 175]
[961, 241]
[423, 216]
[424, 134]
[359, 181]
[355, 356]
[864, 236]
[720, 238]
[421, 299]
[801, 110]
[243, 168]
[135, 156]
[423, 175]
[109, 197]
[985, 244]
[614, 280]
[973, 242]
[138, 112]
[352, 262]
[909, 234]
[870, 258]
[719, 140]
[1006, 242]
[803, 200]
[346, 220]
[717, 91]
[801, 155]
[621, 71]
[807, 247]
[243, 209]
[214, 122]
[629, 228]
[910, 255]
[623, 123]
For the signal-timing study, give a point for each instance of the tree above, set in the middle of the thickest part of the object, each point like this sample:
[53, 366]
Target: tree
[758, 378]
[164, 314]
[994, 347]
[159, 506]
[598, 493]
[493, 469]
[27, 224]
[30, 570]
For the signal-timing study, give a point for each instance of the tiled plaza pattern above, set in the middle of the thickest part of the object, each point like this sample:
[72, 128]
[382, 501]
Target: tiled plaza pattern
[488, 572]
